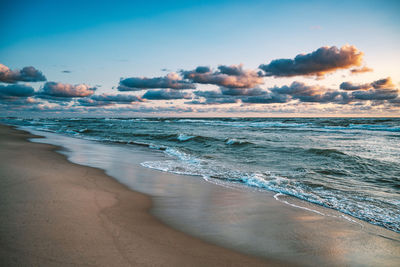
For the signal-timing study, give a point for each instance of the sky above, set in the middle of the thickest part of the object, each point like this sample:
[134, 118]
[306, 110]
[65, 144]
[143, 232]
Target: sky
[199, 58]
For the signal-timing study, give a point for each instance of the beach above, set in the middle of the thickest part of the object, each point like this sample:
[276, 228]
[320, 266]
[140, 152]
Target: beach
[116, 212]
[55, 213]
[200, 133]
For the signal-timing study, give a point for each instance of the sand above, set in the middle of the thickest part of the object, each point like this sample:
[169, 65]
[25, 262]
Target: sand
[56, 213]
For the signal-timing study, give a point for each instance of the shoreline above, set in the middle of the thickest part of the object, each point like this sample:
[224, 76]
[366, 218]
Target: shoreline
[61, 213]
[232, 219]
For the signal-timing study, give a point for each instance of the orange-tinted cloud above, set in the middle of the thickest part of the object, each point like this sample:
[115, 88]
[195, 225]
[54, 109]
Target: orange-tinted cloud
[322, 61]
[361, 70]
[385, 83]
[382, 89]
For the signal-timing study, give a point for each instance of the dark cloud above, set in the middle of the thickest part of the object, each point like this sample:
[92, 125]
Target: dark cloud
[376, 94]
[312, 93]
[18, 102]
[348, 86]
[330, 96]
[395, 102]
[171, 81]
[120, 98]
[376, 91]
[243, 92]
[269, 98]
[108, 99]
[385, 83]
[27, 74]
[318, 63]
[361, 70]
[15, 91]
[166, 94]
[64, 90]
[233, 76]
[227, 96]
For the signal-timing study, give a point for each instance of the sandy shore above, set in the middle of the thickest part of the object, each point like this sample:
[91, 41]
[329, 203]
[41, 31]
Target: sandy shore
[55, 213]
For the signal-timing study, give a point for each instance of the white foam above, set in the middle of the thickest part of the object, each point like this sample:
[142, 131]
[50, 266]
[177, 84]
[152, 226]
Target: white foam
[184, 137]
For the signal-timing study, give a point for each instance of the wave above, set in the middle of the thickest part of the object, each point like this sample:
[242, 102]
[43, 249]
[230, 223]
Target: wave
[235, 142]
[184, 137]
[85, 130]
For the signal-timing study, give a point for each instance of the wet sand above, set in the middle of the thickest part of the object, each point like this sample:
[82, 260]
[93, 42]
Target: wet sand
[56, 213]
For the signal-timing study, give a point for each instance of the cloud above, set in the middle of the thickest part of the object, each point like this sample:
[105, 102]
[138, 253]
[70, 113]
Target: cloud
[210, 94]
[395, 102]
[269, 98]
[19, 102]
[361, 70]
[213, 98]
[379, 90]
[214, 101]
[54, 89]
[312, 93]
[385, 83]
[171, 81]
[227, 96]
[233, 76]
[351, 87]
[27, 74]
[166, 94]
[376, 91]
[243, 92]
[108, 99]
[15, 91]
[324, 60]
[376, 94]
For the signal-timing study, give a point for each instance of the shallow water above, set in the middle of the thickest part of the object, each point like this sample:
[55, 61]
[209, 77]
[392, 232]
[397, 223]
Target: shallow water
[348, 164]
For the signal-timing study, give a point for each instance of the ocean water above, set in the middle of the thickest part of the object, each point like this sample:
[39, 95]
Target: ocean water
[348, 164]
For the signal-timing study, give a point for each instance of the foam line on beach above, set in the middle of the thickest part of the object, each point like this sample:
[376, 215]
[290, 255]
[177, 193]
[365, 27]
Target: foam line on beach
[277, 195]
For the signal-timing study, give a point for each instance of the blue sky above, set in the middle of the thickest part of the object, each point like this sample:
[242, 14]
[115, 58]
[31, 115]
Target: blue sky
[99, 42]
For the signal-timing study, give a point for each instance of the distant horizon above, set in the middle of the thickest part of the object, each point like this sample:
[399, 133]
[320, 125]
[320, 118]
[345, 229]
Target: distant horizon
[199, 117]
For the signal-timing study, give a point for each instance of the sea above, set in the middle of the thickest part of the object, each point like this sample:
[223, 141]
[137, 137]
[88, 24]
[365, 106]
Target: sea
[351, 165]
